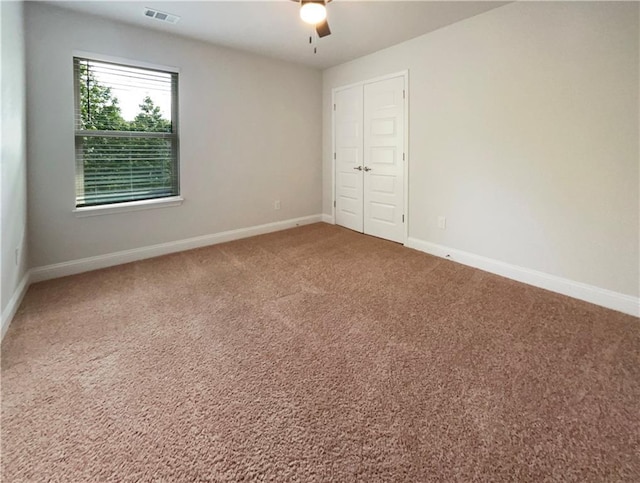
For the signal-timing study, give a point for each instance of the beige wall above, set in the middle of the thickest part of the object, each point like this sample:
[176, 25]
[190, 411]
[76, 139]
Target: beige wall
[14, 162]
[524, 134]
[250, 134]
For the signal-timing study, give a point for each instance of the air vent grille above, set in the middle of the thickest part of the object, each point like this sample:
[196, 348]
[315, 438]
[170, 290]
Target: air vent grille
[162, 16]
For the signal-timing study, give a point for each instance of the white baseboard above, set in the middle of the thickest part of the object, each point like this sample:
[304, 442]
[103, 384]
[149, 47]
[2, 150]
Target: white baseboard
[12, 307]
[118, 258]
[589, 293]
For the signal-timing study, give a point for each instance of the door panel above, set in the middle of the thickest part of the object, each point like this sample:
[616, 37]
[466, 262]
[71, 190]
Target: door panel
[348, 151]
[383, 159]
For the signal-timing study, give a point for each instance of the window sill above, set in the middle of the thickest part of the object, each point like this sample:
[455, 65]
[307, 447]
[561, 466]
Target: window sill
[127, 206]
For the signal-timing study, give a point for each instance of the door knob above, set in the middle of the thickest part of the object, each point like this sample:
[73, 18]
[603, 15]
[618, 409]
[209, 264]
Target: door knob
[367, 168]
[359, 168]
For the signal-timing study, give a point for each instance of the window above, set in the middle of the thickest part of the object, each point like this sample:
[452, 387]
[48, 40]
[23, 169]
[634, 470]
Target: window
[126, 133]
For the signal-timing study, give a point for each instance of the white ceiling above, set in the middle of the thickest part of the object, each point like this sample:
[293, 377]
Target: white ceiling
[274, 28]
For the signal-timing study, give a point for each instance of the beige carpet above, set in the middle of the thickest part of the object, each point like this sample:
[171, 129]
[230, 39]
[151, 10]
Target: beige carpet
[315, 354]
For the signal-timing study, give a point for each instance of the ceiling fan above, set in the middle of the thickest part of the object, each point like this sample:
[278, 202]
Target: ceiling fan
[314, 12]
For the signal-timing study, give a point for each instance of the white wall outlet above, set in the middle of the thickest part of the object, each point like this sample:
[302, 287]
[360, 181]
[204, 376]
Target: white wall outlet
[276, 205]
[442, 222]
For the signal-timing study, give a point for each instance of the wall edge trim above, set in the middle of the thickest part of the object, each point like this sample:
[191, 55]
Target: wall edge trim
[14, 302]
[328, 219]
[81, 265]
[627, 304]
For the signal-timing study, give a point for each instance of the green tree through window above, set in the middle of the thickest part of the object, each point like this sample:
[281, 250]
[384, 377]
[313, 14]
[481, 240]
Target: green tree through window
[98, 108]
[150, 119]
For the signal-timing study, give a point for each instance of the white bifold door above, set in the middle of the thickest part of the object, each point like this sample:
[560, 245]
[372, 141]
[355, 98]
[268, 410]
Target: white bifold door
[369, 158]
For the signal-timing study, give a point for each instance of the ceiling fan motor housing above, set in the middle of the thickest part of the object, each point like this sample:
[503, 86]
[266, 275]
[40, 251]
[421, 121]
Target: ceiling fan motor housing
[317, 17]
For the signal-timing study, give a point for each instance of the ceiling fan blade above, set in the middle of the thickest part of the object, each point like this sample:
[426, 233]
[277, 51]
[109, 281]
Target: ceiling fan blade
[323, 29]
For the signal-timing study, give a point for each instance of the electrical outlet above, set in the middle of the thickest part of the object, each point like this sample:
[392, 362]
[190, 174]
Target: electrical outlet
[17, 259]
[442, 222]
[276, 205]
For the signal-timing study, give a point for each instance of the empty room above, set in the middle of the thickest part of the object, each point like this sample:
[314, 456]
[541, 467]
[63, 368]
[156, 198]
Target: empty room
[320, 241]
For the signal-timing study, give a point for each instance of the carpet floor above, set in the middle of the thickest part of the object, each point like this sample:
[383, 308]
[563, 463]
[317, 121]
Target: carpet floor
[315, 354]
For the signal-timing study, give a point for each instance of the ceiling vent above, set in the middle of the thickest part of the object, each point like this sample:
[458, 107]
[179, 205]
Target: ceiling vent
[162, 16]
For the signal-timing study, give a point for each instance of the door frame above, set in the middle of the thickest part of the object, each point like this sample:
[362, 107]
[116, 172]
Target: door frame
[405, 75]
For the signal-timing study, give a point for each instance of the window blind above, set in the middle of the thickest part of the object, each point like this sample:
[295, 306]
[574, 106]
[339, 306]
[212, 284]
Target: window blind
[125, 133]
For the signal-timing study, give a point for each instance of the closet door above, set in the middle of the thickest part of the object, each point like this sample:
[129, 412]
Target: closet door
[348, 158]
[384, 159]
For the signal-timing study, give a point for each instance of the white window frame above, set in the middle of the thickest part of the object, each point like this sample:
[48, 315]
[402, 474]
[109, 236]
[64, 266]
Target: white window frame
[126, 206]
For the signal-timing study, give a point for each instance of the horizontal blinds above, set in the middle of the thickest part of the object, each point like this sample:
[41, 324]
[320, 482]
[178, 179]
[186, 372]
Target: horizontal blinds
[126, 142]
[113, 170]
